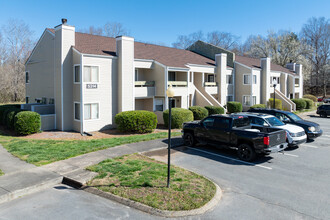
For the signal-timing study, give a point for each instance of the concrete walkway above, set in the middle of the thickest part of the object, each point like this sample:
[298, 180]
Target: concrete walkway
[22, 178]
[74, 168]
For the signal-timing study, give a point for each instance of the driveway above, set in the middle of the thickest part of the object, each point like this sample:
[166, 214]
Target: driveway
[293, 185]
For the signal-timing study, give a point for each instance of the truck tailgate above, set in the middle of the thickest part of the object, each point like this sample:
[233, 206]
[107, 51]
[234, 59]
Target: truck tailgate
[277, 137]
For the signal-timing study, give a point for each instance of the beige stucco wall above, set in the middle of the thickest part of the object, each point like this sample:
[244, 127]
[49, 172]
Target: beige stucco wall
[144, 104]
[159, 76]
[240, 88]
[41, 70]
[105, 94]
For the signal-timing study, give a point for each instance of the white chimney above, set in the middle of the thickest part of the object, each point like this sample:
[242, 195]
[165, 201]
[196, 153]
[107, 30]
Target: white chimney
[221, 68]
[265, 78]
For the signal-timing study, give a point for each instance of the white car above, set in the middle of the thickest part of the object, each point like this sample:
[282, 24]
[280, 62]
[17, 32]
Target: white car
[295, 135]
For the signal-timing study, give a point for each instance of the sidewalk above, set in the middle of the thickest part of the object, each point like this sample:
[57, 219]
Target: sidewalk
[22, 178]
[74, 168]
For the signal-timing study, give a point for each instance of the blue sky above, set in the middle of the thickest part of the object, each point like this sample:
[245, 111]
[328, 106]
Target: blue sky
[162, 21]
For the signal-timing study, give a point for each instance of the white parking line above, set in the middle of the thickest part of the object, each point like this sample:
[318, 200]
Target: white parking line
[291, 155]
[230, 158]
[311, 146]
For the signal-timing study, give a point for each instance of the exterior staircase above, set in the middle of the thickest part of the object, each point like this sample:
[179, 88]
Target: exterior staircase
[287, 104]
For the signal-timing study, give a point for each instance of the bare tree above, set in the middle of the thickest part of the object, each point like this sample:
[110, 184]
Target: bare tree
[223, 39]
[316, 34]
[184, 41]
[18, 45]
[110, 29]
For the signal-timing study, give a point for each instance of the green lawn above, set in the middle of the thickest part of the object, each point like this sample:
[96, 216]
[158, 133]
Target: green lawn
[41, 152]
[1, 172]
[142, 179]
[306, 110]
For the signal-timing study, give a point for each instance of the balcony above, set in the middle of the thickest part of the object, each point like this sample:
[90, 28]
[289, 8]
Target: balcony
[210, 84]
[178, 83]
[144, 89]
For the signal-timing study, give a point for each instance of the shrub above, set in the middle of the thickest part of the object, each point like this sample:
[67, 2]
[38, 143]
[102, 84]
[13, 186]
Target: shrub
[138, 121]
[215, 110]
[300, 103]
[3, 112]
[258, 106]
[233, 107]
[10, 117]
[27, 122]
[278, 103]
[311, 97]
[199, 112]
[309, 103]
[179, 116]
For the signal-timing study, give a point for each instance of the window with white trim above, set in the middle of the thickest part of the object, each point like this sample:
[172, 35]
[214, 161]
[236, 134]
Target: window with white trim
[230, 98]
[210, 78]
[91, 74]
[277, 80]
[246, 100]
[254, 100]
[44, 100]
[91, 111]
[27, 77]
[229, 79]
[51, 101]
[246, 79]
[136, 75]
[77, 111]
[254, 79]
[77, 74]
[159, 104]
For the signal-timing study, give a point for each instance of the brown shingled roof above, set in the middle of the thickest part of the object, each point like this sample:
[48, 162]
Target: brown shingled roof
[100, 45]
[255, 63]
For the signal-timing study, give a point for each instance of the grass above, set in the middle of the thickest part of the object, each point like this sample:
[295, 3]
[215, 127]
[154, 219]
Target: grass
[142, 179]
[1, 172]
[306, 110]
[41, 152]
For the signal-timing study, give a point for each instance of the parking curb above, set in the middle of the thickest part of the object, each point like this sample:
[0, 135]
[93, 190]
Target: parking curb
[154, 211]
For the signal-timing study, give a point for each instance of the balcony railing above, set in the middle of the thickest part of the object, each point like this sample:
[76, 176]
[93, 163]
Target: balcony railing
[144, 83]
[178, 83]
[296, 85]
[210, 84]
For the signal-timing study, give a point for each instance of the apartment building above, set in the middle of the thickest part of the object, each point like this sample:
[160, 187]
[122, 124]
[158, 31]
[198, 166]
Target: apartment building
[79, 81]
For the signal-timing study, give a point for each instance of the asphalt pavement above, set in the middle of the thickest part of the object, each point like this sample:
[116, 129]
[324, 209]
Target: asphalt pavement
[293, 185]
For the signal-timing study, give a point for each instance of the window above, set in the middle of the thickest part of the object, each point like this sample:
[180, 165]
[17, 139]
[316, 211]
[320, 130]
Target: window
[51, 101]
[77, 111]
[254, 100]
[27, 99]
[91, 74]
[44, 100]
[171, 76]
[38, 100]
[27, 77]
[247, 79]
[277, 80]
[159, 105]
[136, 75]
[222, 123]
[230, 98]
[91, 111]
[229, 79]
[208, 122]
[254, 79]
[210, 78]
[246, 100]
[77, 74]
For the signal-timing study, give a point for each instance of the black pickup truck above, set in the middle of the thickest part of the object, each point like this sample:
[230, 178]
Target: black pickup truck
[235, 132]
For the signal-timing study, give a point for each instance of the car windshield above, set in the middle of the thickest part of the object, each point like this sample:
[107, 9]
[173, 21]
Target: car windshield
[294, 117]
[273, 121]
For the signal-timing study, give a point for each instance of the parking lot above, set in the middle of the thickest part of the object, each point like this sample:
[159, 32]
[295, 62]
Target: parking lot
[292, 185]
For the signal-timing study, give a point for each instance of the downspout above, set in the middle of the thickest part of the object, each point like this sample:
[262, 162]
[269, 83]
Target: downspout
[81, 96]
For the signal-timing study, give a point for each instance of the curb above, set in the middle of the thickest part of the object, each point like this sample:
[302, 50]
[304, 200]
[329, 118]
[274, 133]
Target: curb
[154, 211]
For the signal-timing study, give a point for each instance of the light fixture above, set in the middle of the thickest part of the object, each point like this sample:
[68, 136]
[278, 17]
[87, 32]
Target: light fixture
[170, 91]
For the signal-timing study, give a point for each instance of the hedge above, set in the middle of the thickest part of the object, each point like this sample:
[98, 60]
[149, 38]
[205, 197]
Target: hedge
[258, 106]
[27, 122]
[234, 107]
[278, 103]
[199, 112]
[138, 121]
[212, 110]
[309, 103]
[311, 97]
[179, 116]
[3, 111]
[300, 104]
[10, 117]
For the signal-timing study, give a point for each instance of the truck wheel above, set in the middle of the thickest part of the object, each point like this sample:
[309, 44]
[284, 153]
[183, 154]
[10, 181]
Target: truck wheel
[189, 139]
[246, 152]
